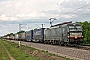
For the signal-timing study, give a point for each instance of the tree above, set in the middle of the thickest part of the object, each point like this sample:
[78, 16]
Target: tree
[20, 32]
[86, 31]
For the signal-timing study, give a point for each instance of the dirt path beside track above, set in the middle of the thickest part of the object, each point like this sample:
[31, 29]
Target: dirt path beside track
[10, 56]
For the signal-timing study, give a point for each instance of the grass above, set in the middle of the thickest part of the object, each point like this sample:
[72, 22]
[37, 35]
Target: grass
[46, 52]
[3, 53]
[17, 53]
[20, 54]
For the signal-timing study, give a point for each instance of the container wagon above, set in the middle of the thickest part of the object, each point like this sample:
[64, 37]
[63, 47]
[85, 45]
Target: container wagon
[11, 37]
[29, 35]
[16, 36]
[38, 35]
[21, 36]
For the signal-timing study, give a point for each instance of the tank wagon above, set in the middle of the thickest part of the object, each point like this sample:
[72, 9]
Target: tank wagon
[29, 35]
[64, 34]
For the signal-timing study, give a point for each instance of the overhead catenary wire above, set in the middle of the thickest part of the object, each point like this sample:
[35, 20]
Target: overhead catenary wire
[73, 11]
[74, 3]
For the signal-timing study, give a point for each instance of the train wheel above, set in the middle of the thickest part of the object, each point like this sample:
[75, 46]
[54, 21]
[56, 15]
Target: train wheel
[48, 42]
[65, 44]
[61, 43]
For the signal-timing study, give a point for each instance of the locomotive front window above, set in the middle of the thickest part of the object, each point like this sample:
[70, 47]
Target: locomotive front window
[75, 28]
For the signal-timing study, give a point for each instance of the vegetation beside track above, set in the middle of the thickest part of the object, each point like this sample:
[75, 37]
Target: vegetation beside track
[29, 53]
[16, 52]
[86, 31]
[3, 53]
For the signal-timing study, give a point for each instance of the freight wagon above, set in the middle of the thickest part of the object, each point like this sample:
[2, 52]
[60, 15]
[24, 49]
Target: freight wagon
[21, 36]
[29, 35]
[7, 37]
[16, 37]
[11, 37]
[38, 35]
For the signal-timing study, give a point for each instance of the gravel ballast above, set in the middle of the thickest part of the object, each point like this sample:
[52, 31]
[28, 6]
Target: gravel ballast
[73, 53]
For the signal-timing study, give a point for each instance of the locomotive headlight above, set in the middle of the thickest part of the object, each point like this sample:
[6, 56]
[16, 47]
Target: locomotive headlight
[80, 33]
[68, 36]
[82, 36]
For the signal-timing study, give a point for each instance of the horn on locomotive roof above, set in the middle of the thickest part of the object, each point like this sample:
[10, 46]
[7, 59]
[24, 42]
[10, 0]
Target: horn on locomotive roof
[61, 24]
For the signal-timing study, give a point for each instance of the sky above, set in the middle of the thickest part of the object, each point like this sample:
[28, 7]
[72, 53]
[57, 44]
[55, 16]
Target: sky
[32, 14]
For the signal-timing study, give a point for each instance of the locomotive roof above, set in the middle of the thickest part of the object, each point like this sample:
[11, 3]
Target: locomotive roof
[68, 24]
[74, 24]
[61, 24]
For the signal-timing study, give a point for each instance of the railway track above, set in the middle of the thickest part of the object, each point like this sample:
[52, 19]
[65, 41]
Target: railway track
[77, 53]
[82, 47]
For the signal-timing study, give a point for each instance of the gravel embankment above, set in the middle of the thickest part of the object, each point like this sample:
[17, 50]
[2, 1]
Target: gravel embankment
[72, 53]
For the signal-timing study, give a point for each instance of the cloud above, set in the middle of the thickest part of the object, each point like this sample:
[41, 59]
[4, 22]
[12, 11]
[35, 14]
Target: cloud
[7, 18]
[22, 9]
[31, 12]
[75, 9]
[16, 10]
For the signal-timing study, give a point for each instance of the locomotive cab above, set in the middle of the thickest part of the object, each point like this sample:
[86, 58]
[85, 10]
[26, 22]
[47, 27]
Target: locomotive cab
[75, 33]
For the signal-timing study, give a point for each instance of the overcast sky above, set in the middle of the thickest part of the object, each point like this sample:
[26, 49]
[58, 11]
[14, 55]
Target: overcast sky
[32, 13]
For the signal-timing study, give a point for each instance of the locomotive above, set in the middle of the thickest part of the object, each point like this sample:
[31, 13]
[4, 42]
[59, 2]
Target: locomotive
[64, 34]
